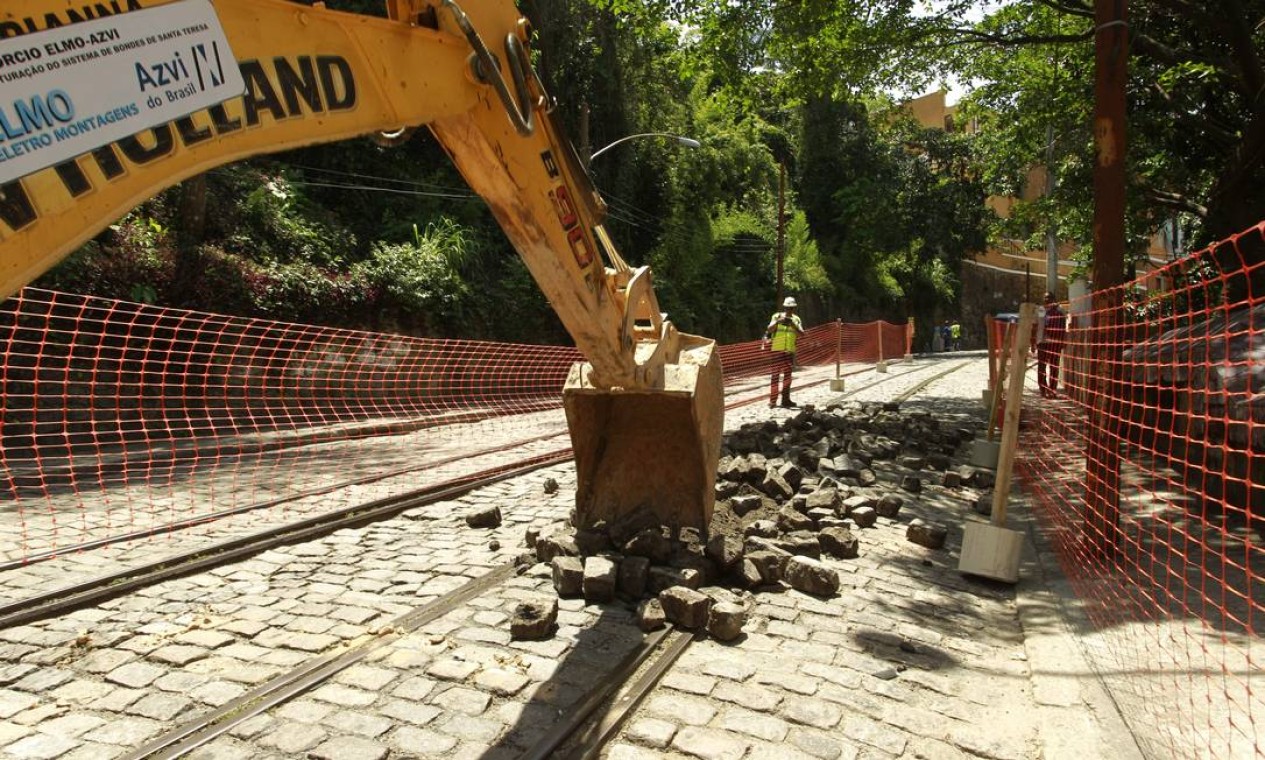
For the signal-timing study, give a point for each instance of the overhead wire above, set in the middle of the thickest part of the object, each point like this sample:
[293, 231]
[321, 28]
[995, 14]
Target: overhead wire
[618, 209]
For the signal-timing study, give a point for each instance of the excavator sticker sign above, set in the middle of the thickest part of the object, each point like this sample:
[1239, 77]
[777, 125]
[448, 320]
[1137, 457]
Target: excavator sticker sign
[69, 90]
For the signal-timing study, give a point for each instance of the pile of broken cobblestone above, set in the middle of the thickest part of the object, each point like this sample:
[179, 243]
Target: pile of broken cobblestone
[787, 494]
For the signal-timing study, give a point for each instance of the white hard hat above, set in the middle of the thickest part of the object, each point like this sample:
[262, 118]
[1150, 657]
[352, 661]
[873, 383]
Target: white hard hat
[789, 303]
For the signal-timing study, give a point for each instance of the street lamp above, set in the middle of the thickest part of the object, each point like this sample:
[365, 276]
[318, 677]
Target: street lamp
[688, 142]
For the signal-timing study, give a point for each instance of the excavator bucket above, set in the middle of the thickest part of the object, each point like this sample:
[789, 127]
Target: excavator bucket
[649, 455]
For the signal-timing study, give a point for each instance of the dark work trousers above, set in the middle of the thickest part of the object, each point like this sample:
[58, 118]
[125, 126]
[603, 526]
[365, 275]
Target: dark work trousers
[783, 364]
[1049, 353]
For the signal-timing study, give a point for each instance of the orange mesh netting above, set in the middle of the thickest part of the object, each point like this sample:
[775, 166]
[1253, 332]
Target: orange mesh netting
[127, 420]
[1146, 460]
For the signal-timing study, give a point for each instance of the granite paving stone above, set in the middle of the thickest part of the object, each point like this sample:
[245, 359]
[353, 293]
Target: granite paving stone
[652, 732]
[40, 746]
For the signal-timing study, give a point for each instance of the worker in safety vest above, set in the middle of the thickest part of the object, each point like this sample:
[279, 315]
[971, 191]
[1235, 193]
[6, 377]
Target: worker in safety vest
[955, 336]
[783, 331]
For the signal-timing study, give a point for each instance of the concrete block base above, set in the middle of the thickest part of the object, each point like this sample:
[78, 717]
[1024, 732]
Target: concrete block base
[836, 385]
[991, 552]
[881, 367]
[984, 453]
[986, 398]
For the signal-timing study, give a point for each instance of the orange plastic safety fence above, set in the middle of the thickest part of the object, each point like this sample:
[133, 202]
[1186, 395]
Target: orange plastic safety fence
[123, 419]
[1144, 449]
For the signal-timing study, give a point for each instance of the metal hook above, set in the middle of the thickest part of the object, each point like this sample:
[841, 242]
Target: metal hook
[487, 69]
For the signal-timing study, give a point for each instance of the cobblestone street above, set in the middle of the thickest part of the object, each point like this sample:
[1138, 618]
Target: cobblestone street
[910, 659]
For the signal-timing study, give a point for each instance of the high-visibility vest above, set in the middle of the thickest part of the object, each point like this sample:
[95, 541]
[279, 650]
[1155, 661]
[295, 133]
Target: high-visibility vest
[784, 336]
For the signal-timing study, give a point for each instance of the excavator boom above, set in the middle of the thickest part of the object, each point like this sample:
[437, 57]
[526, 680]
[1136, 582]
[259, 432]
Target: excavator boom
[644, 410]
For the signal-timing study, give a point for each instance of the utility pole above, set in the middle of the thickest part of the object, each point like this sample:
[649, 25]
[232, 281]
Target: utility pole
[781, 229]
[1102, 476]
[586, 145]
[1051, 235]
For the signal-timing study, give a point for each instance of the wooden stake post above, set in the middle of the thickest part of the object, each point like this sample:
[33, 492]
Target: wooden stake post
[836, 385]
[992, 550]
[1008, 339]
[1014, 401]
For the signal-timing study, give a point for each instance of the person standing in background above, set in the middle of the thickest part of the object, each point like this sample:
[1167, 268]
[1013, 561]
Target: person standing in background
[955, 336]
[1051, 335]
[783, 331]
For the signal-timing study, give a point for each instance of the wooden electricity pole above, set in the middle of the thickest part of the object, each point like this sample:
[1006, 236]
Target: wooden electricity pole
[1102, 477]
[781, 229]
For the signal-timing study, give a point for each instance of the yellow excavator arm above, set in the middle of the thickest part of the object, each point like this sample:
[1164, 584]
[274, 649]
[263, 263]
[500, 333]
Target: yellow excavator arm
[644, 411]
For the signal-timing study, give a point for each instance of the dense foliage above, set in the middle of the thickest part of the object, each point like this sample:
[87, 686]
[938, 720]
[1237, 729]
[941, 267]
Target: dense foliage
[787, 98]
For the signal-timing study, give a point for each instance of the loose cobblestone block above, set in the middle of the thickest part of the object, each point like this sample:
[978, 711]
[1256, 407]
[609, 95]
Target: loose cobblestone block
[486, 517]
[650, 616]
[789, 520]
[452, 669]
[889, 505]
[745, 504]
[819, 514]
[568, 576]
[864, 517]
[930, 535]
[534, 620]
[685, 607]
[725, 621]
[853, 503]
[761, 529]
[770, 562]
[823, 498]
[801, 542]
[557, 545]
[592, 542]
[839, 542]
[811, 577]
[649, 543]
[666, 577]
[776, 486]
[750, 574]
[725, 551]
[634, 572]
[599, 580]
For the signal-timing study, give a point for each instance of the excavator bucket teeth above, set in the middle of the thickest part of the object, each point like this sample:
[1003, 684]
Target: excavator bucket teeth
[649, 455]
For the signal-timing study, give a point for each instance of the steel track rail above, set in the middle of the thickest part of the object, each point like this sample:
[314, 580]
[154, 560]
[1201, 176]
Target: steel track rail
[589, 743]
[103, 587]
[246, 508]
[920, 386]
[201, 730]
